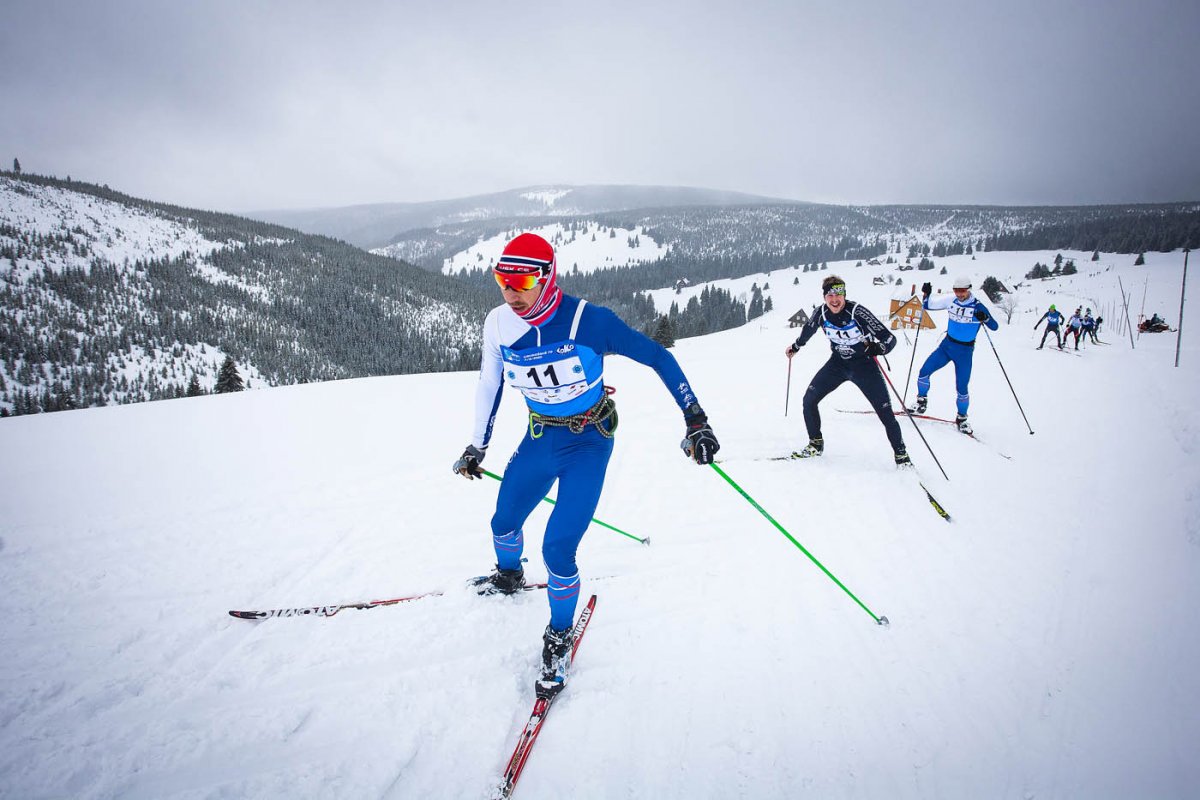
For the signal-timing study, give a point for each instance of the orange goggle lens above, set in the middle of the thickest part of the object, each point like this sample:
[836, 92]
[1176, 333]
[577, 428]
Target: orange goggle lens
[518, 281]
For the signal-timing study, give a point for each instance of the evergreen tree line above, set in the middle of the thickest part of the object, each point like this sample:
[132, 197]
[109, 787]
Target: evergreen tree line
[1041, 270]
[1135, 229]
[712, 310]
[303, 308]
[297, 307]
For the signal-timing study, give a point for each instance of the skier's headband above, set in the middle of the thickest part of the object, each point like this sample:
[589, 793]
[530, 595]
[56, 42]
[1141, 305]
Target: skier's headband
[836, 289]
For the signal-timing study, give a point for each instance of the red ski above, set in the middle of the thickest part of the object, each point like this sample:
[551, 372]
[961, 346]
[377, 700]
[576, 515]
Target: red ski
[541, 708]
[930, 419]
[329, 611]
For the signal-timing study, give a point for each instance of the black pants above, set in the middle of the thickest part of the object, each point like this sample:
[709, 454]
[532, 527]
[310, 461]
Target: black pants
[1047, 333]
[865, 375]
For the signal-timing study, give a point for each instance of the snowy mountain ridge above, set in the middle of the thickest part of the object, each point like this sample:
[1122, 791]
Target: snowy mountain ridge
[381, 224]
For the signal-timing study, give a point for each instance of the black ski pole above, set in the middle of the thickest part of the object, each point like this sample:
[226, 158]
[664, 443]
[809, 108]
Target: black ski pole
[1125, 303]
[1182, 297]
[1142, 313]
[916, 338]
[910, 418]
[1010, 386]
[787, 398]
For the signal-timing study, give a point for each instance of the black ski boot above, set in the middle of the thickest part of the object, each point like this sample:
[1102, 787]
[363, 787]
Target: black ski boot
[556, 658]
[963, 426]
[502, 581]
[814, 448]
[902, 459]
[922, 404]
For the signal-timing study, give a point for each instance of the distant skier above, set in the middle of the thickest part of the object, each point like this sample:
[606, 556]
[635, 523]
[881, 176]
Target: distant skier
[958, 345]
[1074, 328]
[550, 347]
[855, 336]
[1053, 319]
[1089, 327]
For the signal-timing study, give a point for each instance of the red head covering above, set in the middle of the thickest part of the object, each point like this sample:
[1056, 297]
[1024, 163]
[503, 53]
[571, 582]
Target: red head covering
[529, 253]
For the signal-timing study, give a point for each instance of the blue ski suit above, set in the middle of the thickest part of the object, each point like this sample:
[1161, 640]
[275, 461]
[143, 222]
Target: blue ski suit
[1053, 320]
[958, 345]
[559, 368]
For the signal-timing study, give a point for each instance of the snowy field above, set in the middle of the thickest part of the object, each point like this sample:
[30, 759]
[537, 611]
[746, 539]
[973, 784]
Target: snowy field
[1040, 646]
[579, 251]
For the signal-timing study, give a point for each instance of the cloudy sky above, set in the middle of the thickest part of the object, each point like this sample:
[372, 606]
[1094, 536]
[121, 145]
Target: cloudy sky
[239, 105]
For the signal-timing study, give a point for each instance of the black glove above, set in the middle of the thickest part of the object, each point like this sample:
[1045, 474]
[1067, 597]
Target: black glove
[981, 315]
[700, 444]
[872, 348]
[926, 289]
[468, 464]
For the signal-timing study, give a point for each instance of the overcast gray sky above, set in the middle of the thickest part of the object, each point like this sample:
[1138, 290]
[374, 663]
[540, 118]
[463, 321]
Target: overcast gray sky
[238, 105]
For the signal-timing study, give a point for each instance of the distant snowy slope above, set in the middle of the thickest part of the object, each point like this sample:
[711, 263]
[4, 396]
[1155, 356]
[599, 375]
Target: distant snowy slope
[580, 249]
[77, 229]
[379, 224]
[1039, 645]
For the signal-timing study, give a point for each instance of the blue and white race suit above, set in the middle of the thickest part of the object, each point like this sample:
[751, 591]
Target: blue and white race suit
[958, 345]
[558, 367]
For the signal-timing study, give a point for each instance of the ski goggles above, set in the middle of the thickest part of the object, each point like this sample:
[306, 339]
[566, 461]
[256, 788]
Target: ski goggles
[517, 281]
[837, 289]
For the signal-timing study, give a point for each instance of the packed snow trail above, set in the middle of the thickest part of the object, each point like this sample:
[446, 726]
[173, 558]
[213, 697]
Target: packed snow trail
[1038, 646]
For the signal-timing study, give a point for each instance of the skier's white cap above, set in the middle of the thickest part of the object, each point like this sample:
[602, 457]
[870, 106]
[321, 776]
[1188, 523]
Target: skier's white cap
[962, 282]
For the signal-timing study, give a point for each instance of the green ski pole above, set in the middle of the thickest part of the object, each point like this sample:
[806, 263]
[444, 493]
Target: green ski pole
[598, 522]
[792, 539]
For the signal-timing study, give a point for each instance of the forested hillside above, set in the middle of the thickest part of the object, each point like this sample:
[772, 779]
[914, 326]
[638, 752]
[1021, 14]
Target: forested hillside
[105, 299]
[707, 243]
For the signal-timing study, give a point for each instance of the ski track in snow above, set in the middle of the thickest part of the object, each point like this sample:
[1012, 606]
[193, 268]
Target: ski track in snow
[1036, 647]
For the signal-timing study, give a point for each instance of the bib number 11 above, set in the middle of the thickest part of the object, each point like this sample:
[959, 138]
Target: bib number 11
[548, 372]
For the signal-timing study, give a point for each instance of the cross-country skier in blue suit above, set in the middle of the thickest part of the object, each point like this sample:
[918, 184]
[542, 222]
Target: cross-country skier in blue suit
[550, 347]
[1053, 318]
[958, 345]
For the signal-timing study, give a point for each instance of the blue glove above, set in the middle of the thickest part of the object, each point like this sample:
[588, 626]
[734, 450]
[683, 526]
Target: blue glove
[981, 315]
[468, 464]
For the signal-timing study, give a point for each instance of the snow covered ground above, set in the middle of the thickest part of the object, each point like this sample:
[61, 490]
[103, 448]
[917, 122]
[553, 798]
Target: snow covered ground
[1039, 646]
[583, 251]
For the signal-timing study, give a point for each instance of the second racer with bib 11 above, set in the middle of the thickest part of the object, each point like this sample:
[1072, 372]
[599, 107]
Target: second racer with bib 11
[855, 336]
